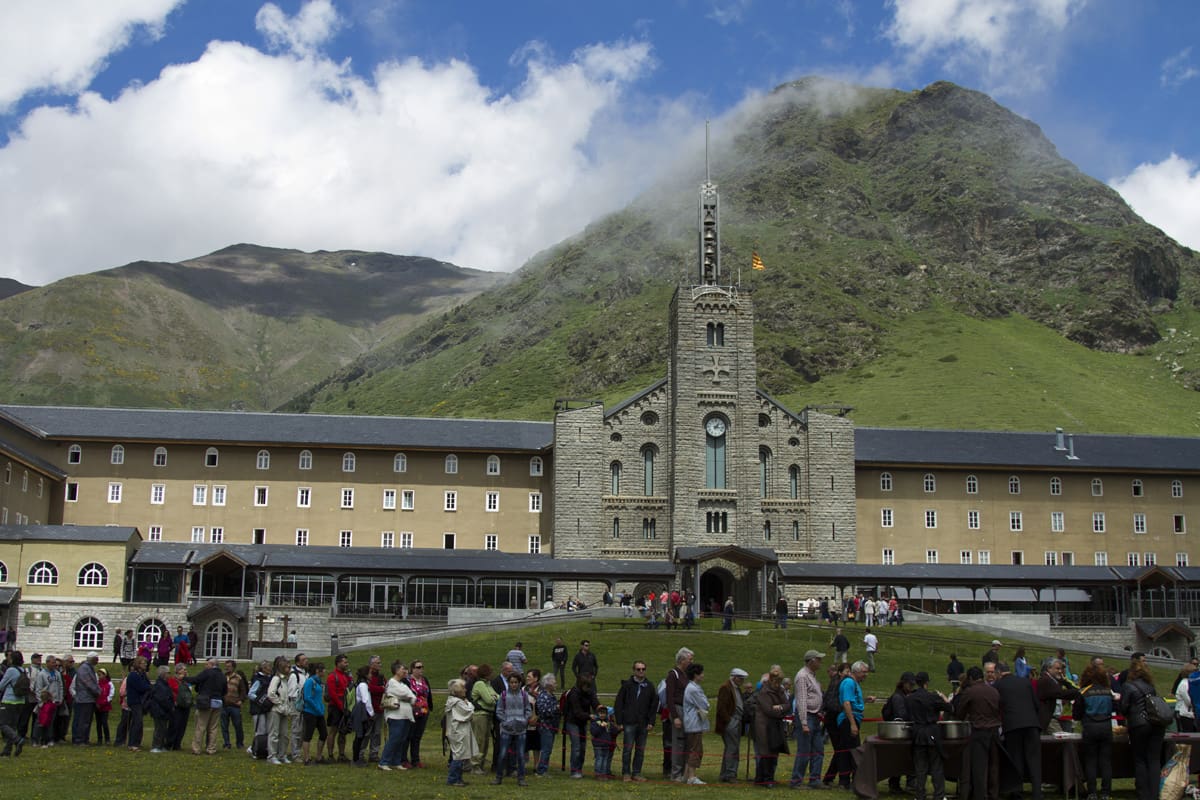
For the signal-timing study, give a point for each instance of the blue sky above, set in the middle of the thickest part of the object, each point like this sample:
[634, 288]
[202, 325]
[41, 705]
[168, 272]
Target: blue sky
[482, 132]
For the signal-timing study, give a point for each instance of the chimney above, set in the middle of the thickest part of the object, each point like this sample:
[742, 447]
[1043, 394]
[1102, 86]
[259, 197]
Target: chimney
[1071, 448]
[1058, 440]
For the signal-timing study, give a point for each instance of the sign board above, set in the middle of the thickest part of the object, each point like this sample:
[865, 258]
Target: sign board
[37, 619]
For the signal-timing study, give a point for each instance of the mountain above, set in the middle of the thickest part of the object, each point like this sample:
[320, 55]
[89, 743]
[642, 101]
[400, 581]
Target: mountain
[9, 287]
[244, 327]
[928, 242]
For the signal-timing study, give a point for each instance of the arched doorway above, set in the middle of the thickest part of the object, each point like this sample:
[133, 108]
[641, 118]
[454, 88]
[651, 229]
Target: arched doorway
[715, 585]
[219, 640]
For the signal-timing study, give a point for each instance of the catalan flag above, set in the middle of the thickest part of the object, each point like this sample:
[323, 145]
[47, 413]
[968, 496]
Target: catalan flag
[755, 261]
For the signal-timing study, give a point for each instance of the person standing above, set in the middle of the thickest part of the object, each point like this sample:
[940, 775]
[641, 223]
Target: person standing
[312, 714]
[849, 718]
[376, 685]
[770, 738]
[979, 704]
[954, 671]
[924, 709]
[635, 710]
[781, 612]
[1094, 710]
[137, 688]
[260, 714]
[296, 679]
[361, 716]
[397, 704]
[422, 702]
[695, 722]
[87, 689]
[1054, 692]
[128, 649]
[12, 701]
[513, 710]
[210, 693]
[841, 647]
[727, 614]
[558, 657]
[517, 658]
[676, 683]
[278, 749]
[585, 662]
[118, 641]
[810, 740]
[484, 697]
[104, 706]
[236, 688]
[731, 715]
[1022, 732]
[578, 706]
[1145, 738]
[549, 719]
[459, 737]
[992, 656]
[338, 687]
[871, 642]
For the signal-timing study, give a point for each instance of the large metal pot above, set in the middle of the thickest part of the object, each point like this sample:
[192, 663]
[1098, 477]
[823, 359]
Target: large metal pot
[895, 729]
[955, 728]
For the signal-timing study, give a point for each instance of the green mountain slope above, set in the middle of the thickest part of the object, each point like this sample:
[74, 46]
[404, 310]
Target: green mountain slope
[898, 229]
[245, 327]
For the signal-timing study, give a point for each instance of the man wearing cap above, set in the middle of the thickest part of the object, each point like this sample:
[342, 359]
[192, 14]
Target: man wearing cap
[810, 739]
[731, 711]
[635, 709]
[87, 689]
[992, 655]
[1022, 732]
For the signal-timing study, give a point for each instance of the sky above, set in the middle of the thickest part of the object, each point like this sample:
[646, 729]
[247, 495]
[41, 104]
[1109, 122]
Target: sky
[481, 132]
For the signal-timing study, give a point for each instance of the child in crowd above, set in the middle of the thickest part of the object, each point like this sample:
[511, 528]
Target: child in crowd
[458, 734]
[603, 741]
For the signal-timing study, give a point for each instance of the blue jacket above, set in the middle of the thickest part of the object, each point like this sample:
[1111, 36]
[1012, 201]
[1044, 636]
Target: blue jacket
[137, 686]
[314, 696]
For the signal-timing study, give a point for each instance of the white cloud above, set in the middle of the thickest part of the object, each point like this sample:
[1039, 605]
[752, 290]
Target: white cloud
[1178, 69]
[1009, 45]
[1166, 194]
[302, 34]
[61, 46]
[284, 150]
[728, 12]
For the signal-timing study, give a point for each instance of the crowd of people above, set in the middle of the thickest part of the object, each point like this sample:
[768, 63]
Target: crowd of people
[516, 713]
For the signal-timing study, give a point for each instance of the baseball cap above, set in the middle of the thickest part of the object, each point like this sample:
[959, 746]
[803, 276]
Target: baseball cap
[811, 654]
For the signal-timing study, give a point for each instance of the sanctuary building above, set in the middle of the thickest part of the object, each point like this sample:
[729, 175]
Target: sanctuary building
[146, 519]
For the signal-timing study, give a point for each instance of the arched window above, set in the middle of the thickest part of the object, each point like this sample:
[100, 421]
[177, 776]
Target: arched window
[306, 459]
[8, 473]
[1014, 484]
[452, 464]
[89, 634]
[263, 460]
[1097, 487]
[930, 483]
[348, 462]
[400, 463]
[972, 484]
[160, 456]
[211, 457]
[715, 334]
[885, 481]
[648, 453]
[764, 472]
[794, 482]
[1056, 486]
[74, 454]
[536, 466]
[219, 640]
[93, 574]
[118, 454]
[714, 453]
[1137, 488]
[43, 573]
[493, 465]
[3, 573]
[1177, 489]
[767, 531]
[614, 476]
[151, 630]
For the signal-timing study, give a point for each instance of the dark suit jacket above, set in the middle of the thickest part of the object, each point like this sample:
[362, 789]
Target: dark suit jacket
[1018, 703]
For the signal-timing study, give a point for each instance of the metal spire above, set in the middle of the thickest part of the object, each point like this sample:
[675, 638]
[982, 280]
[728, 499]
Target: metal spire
[709, 230]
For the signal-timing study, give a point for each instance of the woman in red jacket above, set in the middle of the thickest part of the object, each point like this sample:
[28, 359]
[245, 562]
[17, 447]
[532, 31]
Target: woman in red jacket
[103, 705]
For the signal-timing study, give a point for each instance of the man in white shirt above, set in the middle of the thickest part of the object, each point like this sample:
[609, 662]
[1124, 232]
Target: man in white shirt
[872, 643]
[810, 737]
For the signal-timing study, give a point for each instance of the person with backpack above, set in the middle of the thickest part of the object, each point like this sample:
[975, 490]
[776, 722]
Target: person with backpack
[1094, 709]
[1146, 729]
[260, 709]
[14, 687]
[830, 707]
[183, 698]
[278, 748]
[483, 698]
[338, 697]
[312, 715]
[513, 710]
[362, 716]
[577, 707]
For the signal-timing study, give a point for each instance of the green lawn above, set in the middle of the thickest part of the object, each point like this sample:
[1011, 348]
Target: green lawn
[113, 774]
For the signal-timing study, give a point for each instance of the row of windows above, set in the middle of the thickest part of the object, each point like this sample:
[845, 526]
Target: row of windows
[387, 539]
[650, 453]
[8, 477]
[203, 494]
[929, 484]
[263, 460]
[1051, 558]
[18, 518]
[1016, 521]
[45, 573]
[219, 637]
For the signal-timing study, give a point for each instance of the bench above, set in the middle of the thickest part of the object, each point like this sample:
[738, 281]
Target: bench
[623, 622]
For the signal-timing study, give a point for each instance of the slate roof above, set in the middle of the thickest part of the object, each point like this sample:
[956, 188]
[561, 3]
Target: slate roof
[395, 560]
[68, 533]
[156, 425]
[36, 462]
[1029, 450]
[949, 574]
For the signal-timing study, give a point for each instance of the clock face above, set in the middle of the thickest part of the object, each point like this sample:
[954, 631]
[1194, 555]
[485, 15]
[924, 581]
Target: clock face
[715, 427]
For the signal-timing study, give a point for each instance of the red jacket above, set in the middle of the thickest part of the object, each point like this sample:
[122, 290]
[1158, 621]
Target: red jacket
[337, 683]
[376, 685]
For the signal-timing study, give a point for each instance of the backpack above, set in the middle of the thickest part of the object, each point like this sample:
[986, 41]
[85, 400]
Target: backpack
[21, 686]
[184, 698]
[1158, 713]
[830, 705]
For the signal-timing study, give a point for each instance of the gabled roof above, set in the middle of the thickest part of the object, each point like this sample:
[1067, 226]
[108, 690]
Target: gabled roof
[392, 560]
[1155, 629]
[68, 533]
[236, 427]
[30, 460]
[628, 401]
[1031, 450]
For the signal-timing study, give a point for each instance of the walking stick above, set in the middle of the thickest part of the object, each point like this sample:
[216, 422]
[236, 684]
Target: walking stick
[564, 747]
